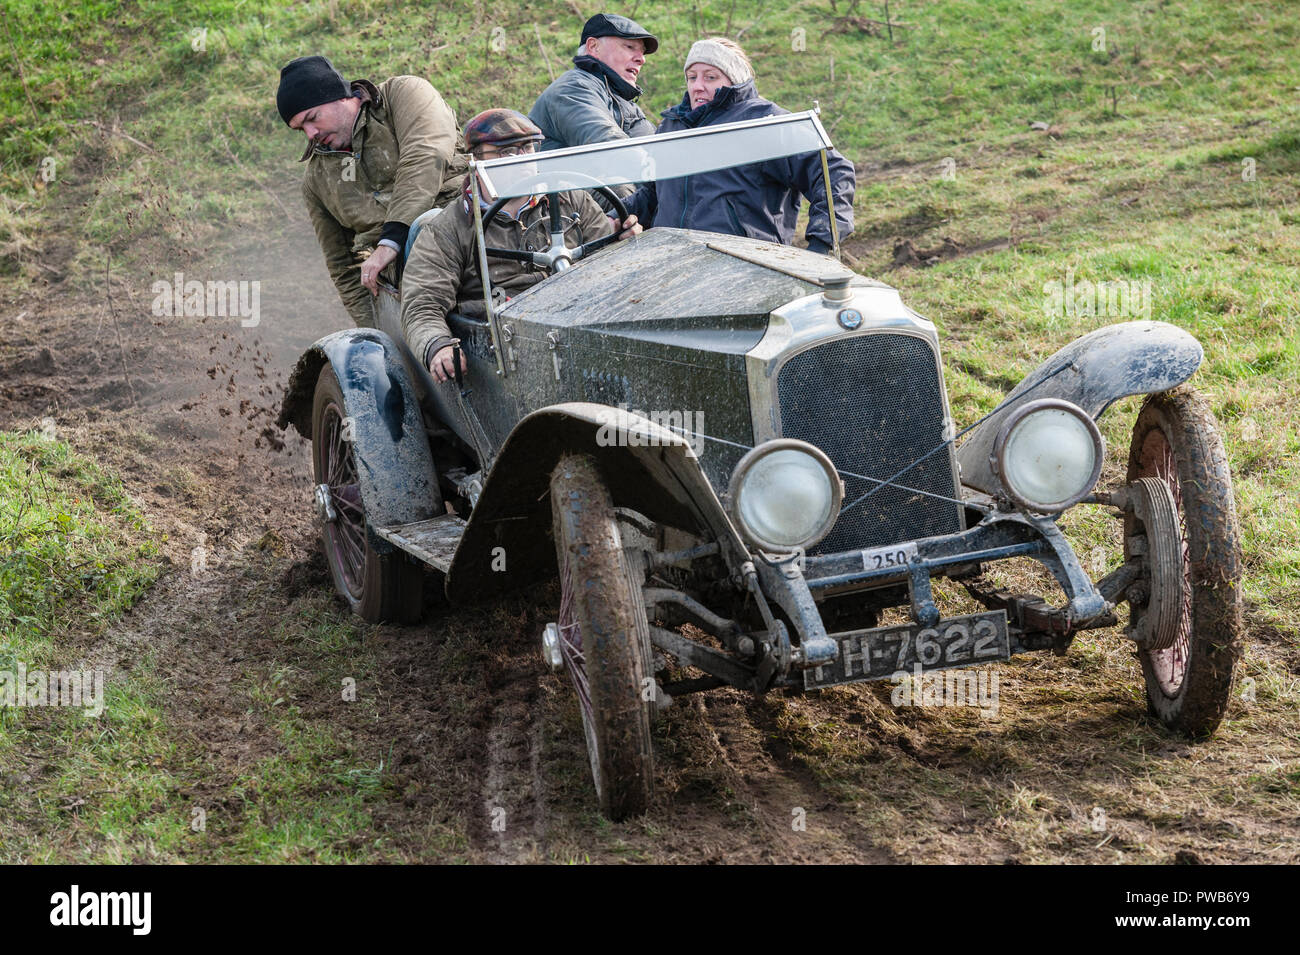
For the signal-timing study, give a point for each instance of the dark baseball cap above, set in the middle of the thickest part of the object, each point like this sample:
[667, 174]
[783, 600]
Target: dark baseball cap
[609, 24]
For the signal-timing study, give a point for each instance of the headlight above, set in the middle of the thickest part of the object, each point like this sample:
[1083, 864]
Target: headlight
[1048, 455]
[785, 494]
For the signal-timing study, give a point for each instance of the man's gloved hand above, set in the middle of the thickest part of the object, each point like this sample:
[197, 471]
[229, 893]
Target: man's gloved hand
[376, 263]
[442, 365]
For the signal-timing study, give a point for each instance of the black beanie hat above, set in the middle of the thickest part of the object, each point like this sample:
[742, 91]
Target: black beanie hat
[306, 82]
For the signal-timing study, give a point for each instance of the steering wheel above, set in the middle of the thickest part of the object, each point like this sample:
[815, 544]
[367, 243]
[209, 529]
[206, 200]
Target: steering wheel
[559, 256]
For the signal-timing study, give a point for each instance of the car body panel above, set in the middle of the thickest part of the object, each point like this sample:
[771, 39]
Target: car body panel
[647, 468]
[394, 463]
[1094, 371]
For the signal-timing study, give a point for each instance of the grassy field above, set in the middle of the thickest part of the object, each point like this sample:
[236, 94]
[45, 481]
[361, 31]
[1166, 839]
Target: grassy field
[1016, 145]
[74, 554]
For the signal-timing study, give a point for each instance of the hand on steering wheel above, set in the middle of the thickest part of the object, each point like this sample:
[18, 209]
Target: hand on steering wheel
[551, 256]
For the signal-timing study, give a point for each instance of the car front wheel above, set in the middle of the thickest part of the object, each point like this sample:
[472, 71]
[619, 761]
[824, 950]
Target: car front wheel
[1188, 607]
[604, 638]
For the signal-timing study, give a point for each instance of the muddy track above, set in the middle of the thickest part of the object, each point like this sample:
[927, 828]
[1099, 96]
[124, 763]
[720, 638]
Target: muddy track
[510, 824]
[795, 818]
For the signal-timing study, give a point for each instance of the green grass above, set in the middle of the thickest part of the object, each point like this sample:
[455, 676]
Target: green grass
[72, 544]
[133, 783]
[961, 75]
[75, 553]
[139, 783]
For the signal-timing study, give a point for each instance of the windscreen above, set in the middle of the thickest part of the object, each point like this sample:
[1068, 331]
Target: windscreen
[648, 158]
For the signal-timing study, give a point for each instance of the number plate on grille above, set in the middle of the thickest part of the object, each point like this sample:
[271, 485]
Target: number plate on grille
[883, 558]
[880, 653]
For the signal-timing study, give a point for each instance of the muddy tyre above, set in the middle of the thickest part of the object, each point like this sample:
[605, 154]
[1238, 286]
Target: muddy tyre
[379, 588]
[1188, 682]
[604, 637]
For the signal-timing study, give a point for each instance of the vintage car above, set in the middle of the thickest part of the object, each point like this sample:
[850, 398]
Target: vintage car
[753, 440]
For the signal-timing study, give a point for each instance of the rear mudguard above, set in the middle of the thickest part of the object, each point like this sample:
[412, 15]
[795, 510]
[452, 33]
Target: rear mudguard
[1131, 358]
[647, 468]
[394, 463]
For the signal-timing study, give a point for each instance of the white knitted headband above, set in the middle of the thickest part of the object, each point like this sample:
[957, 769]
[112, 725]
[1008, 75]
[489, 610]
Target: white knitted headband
[715, 54]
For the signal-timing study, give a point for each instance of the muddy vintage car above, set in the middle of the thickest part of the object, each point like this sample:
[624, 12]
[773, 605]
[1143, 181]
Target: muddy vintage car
[690, 428]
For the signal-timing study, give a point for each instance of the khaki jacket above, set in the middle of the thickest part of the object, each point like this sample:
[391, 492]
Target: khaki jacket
[407, 156]
[442, 274]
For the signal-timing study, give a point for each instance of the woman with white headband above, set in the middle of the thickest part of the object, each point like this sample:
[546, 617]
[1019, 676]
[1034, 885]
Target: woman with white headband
[759, 200]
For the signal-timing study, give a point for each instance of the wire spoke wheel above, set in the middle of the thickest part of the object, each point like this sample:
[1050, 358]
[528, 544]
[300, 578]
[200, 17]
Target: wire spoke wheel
[575, 664]
[604, 638]
[345, 536]
[378, 587]
[1188, 653]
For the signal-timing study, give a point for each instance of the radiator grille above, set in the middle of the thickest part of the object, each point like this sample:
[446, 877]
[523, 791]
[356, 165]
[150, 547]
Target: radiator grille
[874, 404]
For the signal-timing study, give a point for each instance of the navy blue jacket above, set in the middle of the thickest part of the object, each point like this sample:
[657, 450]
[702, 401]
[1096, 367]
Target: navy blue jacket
[759, 200]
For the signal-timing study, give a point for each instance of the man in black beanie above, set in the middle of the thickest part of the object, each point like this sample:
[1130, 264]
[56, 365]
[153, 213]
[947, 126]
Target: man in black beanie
[377, 157]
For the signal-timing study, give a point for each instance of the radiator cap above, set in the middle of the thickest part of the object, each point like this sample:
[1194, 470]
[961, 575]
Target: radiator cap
[835, 290]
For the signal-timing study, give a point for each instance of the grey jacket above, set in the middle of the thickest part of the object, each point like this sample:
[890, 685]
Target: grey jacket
[579, 109]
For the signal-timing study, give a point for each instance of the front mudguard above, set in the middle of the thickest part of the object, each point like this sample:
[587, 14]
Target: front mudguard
[1131, 358]
[647, 468]
[394, 464]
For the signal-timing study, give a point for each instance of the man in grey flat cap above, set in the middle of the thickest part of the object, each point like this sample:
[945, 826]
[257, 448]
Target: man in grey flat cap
[595, 102]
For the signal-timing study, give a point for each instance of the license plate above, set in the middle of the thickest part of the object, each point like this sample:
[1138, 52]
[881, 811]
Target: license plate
[880, 653]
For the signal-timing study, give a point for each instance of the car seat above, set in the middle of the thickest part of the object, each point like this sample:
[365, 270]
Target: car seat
[420, 221]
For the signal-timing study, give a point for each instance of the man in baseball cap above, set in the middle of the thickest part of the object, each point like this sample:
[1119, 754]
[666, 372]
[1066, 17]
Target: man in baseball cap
[596, 100]
[442, 274]
[377, 157]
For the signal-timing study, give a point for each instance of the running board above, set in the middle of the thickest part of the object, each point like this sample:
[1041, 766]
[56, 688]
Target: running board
[433, 541]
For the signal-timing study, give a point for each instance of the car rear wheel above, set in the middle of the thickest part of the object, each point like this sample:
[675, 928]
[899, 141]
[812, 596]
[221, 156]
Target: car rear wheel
[377, 587]
[1187, 609]
[604, 638]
